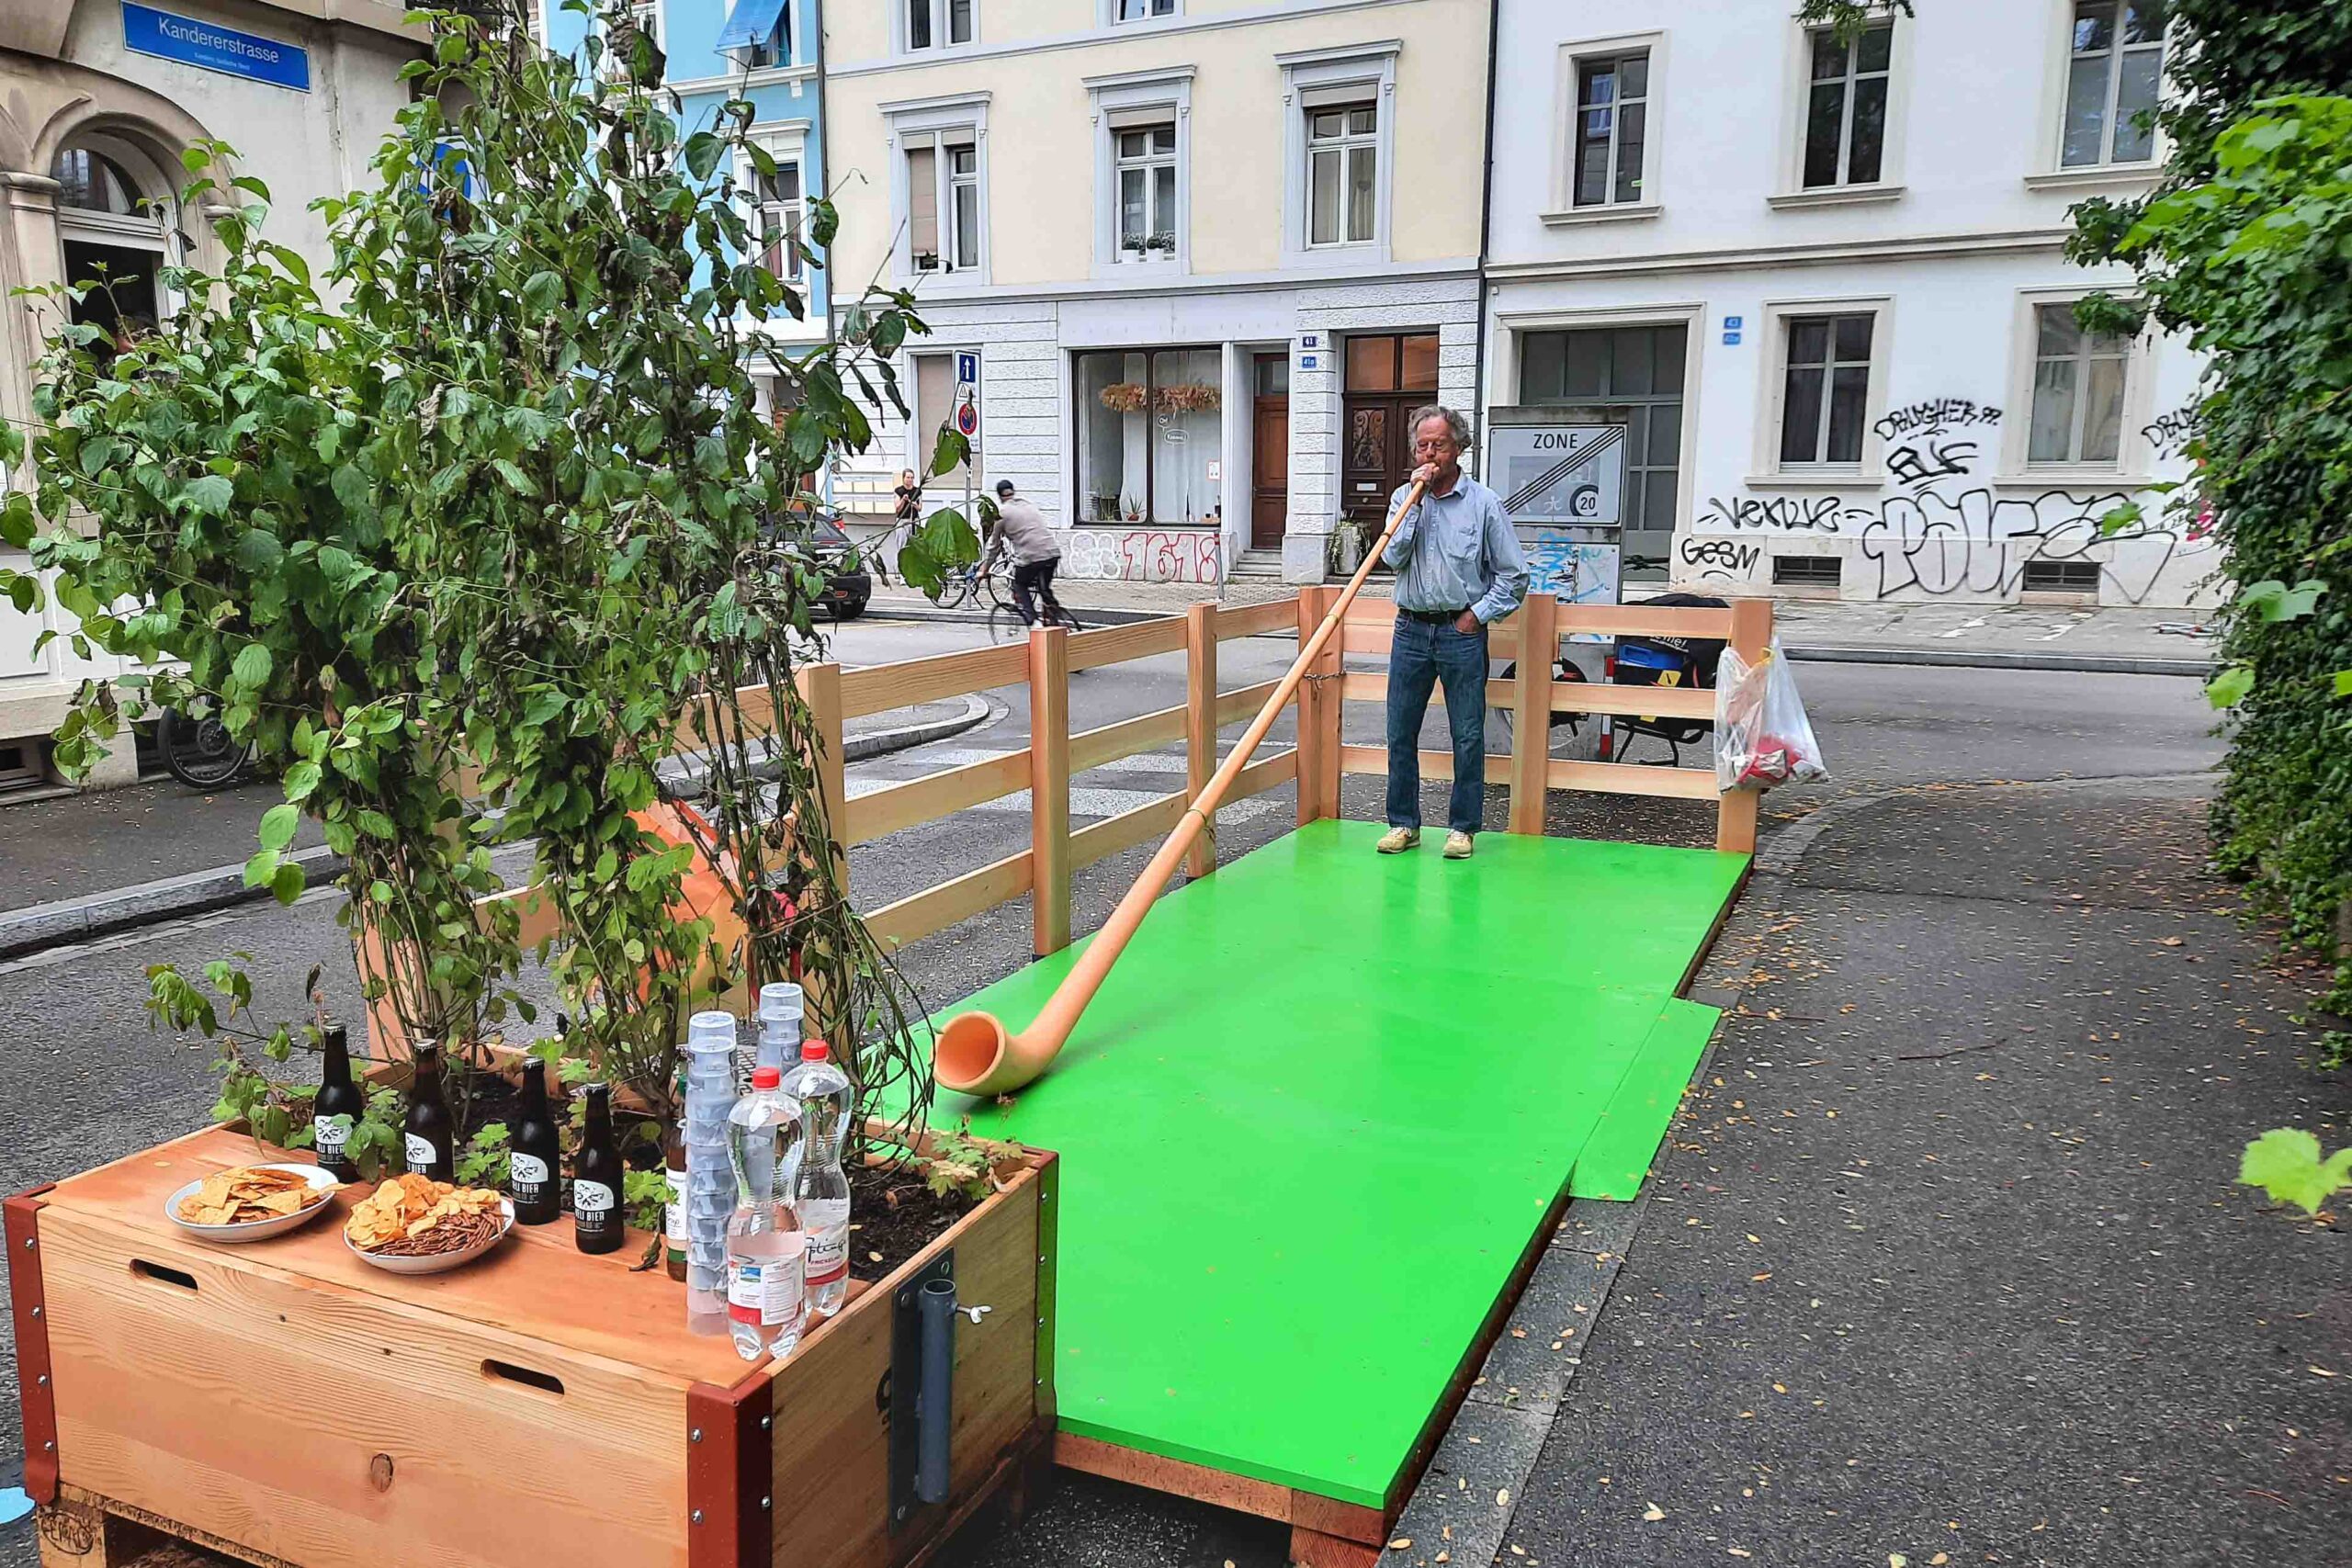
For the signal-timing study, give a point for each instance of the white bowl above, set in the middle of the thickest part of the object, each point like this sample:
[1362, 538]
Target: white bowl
[437, 1262]
[255, 1230]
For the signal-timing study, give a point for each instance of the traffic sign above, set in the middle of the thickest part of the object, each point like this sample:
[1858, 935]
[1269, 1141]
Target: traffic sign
[967, 415]
[967, 366]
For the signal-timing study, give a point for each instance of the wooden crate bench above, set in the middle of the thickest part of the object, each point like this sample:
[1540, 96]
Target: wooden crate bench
[283, 1402]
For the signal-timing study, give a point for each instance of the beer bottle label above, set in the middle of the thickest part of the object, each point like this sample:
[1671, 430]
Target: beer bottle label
[593, 1206]
[418, 1151]
[527, 1176]
[327, 1135]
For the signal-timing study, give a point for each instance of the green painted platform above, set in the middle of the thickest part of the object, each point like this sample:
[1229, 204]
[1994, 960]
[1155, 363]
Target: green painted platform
[1311, 1122]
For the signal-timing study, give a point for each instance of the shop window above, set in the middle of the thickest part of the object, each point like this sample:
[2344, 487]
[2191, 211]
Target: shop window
[1151, 437]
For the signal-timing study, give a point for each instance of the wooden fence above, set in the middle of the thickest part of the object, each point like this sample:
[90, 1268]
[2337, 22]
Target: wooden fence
[1046, 662]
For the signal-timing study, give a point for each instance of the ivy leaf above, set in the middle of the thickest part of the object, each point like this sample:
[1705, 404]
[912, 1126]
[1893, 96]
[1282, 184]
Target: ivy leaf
[2273, 600]
[2285, 1163]
[277, 824]
[2228, 689]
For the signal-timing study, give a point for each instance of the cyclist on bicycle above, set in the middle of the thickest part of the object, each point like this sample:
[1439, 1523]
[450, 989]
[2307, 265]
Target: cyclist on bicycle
[1021, 534]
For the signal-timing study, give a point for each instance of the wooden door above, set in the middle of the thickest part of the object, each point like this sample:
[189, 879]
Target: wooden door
[1270, 453]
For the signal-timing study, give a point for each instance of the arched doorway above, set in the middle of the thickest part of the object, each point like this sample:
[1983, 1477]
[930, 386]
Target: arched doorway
[116, 224]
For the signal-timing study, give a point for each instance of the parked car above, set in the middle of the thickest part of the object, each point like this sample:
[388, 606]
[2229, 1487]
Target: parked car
[848, 585]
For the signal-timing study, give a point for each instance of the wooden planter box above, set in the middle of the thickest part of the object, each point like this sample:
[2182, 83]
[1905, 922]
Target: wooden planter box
[282, 1401]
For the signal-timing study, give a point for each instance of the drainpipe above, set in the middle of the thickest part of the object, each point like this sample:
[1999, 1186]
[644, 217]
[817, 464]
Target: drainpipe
[1486, 233]
[815, 10]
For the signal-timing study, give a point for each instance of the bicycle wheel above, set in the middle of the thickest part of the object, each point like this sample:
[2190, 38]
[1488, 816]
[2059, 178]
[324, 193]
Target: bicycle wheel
[199, 751]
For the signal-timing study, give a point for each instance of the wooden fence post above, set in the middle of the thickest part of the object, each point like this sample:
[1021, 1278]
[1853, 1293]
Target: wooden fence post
[1531, 701]
[820, 688]
[1049, 787]
[1751, 634]
[1199, 726]
[1319, 713]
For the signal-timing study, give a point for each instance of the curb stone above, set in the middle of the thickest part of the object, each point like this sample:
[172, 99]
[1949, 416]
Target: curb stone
[29, 930]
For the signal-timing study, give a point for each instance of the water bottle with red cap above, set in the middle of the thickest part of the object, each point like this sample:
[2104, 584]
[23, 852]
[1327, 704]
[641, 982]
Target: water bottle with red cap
[819, 1186]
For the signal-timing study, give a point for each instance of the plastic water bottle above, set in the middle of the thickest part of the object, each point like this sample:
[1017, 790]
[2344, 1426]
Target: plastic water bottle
[819, 1187]
[766, 1253]
[782, 1007]
[708, 1199]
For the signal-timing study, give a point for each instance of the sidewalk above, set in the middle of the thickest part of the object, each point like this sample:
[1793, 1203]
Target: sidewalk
[79, 865]
[2108, 639]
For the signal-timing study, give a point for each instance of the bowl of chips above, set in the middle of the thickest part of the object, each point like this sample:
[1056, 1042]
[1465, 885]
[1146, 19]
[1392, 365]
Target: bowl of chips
[414, 1224]
[250, 1202]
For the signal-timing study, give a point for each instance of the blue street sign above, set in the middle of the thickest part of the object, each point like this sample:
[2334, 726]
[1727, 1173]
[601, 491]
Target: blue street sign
[1733, 323]
[1731, 337]
[968, 367]
[1307, 362]
[211, 47]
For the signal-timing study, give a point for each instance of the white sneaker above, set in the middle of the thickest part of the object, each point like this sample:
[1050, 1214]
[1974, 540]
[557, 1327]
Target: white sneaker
[1458, 846]
[1396, 840]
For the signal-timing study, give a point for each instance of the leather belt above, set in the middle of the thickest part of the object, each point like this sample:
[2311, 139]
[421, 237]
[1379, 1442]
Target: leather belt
[1433, 617]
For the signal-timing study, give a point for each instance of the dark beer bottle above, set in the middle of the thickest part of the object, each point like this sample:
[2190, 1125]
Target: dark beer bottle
[428, 1136]
[535, 1154]
[337, 1097]
[596, 1177]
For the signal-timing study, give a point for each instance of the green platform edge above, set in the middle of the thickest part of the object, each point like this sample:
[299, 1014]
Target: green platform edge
[1310, 1123]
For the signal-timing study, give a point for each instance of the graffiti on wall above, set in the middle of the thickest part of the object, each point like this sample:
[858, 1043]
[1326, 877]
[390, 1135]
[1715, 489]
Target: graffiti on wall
[1948, 532]
[1575, 572]
[1143, 555]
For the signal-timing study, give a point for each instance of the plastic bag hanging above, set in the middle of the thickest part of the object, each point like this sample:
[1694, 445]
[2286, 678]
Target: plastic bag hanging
[1763, 735]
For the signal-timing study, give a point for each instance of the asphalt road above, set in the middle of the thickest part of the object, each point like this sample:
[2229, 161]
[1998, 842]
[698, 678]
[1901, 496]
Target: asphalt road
[83, 1078]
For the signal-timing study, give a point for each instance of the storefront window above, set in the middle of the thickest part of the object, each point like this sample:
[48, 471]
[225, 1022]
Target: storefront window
[1151, 437]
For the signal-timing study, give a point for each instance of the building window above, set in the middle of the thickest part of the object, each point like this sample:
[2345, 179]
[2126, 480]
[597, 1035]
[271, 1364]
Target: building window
[1613, 109]
[1630, 376]
[776, 219]
[944, 204]
[937, 23]
[1145, 168]
[2078, 385]
[1342, 173]
[757, 34]
[92, 182]
[1825, 389]
[2116, 60]
[1140, 10]
[1151, 437]
[1845, 121]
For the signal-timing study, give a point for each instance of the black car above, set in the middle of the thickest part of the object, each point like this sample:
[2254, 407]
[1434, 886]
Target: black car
[848, 585]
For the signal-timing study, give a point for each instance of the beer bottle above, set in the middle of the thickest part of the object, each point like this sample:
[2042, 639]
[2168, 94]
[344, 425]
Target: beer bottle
[533, 1154]
[596, 1177]
[337, 1097]
[428, 1136]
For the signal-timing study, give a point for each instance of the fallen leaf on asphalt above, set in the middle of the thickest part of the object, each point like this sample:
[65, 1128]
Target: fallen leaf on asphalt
[1938, 1560]
[1779, 1388]
[2169, 942]
[1653, 1513]
[1502, 1498]
[2321, 1371]
[1897, 1560]
[1401, 1543]
[1739, 1552]
[1757, 1278]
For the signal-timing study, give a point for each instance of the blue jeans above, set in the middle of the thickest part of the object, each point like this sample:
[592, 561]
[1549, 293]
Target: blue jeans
[1420, 656]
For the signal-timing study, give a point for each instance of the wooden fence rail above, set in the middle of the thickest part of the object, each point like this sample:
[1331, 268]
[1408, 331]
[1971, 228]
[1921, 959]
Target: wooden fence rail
[1316, 763]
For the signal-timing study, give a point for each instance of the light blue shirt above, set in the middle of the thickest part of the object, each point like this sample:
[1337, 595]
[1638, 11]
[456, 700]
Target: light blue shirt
[1456, 549]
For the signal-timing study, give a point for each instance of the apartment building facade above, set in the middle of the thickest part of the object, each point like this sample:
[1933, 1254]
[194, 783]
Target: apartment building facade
[766, 52]
[97, 100]
[1820, 285]
[1198, 258]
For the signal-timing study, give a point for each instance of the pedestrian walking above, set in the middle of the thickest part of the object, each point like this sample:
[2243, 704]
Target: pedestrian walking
[1458, 568]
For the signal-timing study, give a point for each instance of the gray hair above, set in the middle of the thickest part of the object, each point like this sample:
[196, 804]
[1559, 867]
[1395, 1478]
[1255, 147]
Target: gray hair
[1455, 425]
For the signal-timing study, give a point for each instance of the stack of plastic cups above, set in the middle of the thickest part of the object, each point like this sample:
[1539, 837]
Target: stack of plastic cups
[782, 1007]
[710, 1171]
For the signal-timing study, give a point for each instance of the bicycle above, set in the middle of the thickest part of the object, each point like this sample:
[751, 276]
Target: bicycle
[197, 749]
[977, 587]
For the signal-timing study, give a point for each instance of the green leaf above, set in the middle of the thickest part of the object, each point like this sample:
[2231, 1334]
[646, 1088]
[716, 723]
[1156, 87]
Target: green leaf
[951, 451]
[258, 550]
[702, 152]
[542, 292]
[2285, 1163]
[210, 495]
[286, 884]
[277, 824]
[251, 667]
[261, 867]
[302, 780]
[2343, 683]
[2229, 688]
[516, 479]
[2273, 600]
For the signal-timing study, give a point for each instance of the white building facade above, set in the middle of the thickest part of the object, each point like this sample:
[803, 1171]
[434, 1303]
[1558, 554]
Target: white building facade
[97, 100]
[1821, 285]
[1201, 256]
